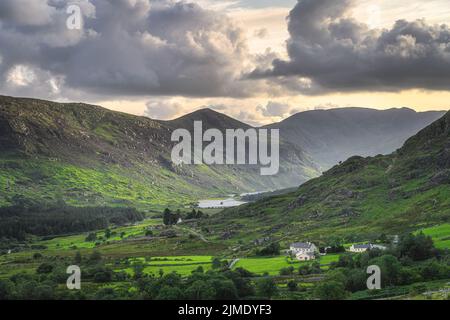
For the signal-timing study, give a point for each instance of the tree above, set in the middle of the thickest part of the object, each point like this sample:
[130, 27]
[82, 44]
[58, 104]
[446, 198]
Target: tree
[77, 259]
[95, 257]
[433, 270]
[37, 256]
[330, 290]
[225, 290]
[6, 289]
[217, 263]
[304, 269]
[107, 233]
[345, 261]
[390, 269]
[200, 290]
[272, 249]
[106, 294]
[169, 218]
[44, 292]
[356, 280]
[138, 270]
[266, 287]
[103, 275]
[45, 268]
[243, 286]
[417, 247]
[170, 293]
[199, 270]
[287, 271]
[91, 237]
[292, 285]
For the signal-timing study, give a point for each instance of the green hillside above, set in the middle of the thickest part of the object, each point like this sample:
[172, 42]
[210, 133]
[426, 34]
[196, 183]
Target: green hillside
[86, 155]
[358, 199]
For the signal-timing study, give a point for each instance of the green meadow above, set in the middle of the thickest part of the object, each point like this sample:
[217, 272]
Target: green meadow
[273, 265]
[440, 235]
[78, 241]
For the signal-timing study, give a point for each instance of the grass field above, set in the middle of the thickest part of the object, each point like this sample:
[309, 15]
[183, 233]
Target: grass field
[273, 265]
[183, 265]
[440, 235]
[78, 241]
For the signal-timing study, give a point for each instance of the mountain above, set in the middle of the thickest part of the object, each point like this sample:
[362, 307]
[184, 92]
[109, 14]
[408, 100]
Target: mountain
[87, 155]
[331, 136]
[296, 166]
[210, 119]
[403, 191]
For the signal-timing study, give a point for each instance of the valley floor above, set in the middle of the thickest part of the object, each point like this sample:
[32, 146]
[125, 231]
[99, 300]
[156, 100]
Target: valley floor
[150, 248]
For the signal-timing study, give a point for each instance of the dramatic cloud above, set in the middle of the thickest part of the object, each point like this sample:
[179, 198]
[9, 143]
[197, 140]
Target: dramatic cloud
[330, 51]
[126, 48]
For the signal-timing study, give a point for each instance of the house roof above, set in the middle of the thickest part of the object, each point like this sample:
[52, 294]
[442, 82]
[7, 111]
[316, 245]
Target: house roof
[362, 246]
[302, 245]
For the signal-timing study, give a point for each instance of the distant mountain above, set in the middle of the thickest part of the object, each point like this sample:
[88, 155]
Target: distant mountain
[357, 199]
[296, 166]
[210, 119]
[331, 136]
[87, 155]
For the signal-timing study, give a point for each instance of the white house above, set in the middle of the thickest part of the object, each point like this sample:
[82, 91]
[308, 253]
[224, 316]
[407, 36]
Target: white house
[358, 248]
[303, 247]
[305, 256]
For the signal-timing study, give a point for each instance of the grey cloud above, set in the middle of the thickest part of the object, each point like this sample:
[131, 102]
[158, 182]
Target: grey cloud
[25, 12]
[261, 33]
[163, 110]
[336, 53]
[127, 47]
[274, 109]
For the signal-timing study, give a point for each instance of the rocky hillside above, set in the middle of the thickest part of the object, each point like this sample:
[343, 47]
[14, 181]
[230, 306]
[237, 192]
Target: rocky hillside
[88, 155]
[362, 196]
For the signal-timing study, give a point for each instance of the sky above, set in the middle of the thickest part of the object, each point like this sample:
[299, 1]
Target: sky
[259, 61]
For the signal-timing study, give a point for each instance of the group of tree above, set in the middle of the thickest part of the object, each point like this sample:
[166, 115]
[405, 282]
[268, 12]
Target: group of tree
[17, 222]
[272, 249]
[195, 214]
[172, 218]
[413, 260]
[219, 283]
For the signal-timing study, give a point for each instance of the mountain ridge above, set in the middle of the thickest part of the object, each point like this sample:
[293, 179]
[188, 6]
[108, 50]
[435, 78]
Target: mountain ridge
[334, 135]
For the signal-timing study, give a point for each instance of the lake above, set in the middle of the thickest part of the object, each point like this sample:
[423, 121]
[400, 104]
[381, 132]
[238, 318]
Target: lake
[220, 203]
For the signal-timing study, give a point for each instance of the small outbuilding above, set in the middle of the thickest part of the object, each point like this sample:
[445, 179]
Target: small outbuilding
[306, 256]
